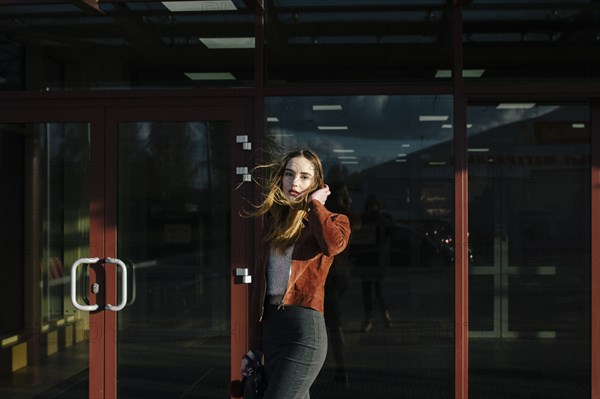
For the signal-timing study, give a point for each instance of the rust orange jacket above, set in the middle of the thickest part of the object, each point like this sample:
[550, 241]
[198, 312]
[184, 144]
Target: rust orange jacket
[324, 235]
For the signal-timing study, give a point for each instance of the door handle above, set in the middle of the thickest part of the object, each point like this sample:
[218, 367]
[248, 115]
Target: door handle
[123, 302]
[86, 308]
[91, 308]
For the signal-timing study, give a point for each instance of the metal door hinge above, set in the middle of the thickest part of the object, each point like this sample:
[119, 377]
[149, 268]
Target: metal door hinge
[243, 139]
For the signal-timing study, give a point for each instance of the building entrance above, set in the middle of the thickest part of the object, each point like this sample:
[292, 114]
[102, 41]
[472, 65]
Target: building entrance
[123, 270]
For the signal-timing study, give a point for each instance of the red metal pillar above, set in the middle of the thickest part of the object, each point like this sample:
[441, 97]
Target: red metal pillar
[461, 285]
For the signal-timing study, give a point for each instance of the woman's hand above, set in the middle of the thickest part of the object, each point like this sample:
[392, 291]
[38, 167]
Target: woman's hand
[321, 194]
[248, 363]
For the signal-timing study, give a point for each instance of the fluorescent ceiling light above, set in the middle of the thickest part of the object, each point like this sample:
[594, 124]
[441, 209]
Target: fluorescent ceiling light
[228, 42]
[346, 157]
[437, 163]
[204, 6]
[405, 145]
[466, 73]
[349, 162]
[401, 155]
[272, 119]
[578, 125]
[433, 118]
[473, 73]
[332, 127]
[210, 76]
[449, 126]
[515, 105]
[343, 150]
[478, 149]
[332, 107]
[401, 160]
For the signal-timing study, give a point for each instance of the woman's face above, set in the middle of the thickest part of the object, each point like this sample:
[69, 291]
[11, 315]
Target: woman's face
[298, 176]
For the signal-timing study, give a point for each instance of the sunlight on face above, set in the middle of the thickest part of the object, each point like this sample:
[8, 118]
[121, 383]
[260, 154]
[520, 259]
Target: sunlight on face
[298, 176]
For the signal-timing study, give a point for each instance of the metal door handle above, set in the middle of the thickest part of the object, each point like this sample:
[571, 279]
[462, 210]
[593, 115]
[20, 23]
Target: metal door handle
[91, 308]
[123, 302]
[86, 308]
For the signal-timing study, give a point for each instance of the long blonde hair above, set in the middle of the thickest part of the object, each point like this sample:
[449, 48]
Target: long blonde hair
[286, 215]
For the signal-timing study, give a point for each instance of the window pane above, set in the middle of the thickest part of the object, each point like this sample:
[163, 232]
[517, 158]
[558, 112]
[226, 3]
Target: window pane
[359, 41]
[133, 45]
[532, 39]
[44, 229]
[174, 233]
[529, 231]
[389, 298]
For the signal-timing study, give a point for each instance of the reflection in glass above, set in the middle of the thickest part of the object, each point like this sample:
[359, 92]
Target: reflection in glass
[359, 41]
[529, 232]
[389, 298]
[44, 228]
[125, 45]
[173, 231]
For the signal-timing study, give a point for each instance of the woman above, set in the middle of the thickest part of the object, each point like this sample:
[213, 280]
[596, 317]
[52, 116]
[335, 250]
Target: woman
[300, 239]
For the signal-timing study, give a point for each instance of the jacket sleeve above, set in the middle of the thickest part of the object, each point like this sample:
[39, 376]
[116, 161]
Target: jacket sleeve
[332, 230]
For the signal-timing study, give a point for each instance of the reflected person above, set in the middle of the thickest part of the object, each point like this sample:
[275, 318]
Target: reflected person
[337, 284]
[373, 260]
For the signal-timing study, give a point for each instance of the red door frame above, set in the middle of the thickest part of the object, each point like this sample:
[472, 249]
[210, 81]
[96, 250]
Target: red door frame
[241, 241]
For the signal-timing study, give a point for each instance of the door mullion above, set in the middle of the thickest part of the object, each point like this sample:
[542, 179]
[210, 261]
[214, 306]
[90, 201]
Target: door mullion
[97, 249]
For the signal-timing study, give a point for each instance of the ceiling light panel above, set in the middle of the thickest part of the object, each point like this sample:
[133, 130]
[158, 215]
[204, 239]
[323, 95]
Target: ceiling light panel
[433, 118]
[330, 107]
[200, 6]
[210, 76]
[515, 105]
[228, 42]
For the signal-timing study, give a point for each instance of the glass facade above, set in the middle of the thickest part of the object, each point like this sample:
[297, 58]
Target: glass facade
[311, 42]
[370, 85]
[126, 45]
[529, 230]
[531, 39]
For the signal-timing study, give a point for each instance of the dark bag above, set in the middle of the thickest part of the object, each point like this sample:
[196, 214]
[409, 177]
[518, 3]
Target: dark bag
[255, 383]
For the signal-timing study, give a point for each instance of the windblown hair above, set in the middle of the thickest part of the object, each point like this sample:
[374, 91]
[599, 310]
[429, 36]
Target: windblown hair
[286, 215]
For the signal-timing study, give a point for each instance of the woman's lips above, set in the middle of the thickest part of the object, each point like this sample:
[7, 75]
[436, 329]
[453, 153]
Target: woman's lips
[293, 193]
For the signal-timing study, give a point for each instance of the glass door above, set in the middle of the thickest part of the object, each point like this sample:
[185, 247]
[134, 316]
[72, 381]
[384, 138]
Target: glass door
[45, 226]
[172, 218]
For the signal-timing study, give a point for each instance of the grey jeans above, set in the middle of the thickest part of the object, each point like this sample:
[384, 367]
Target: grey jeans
[295, 347]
